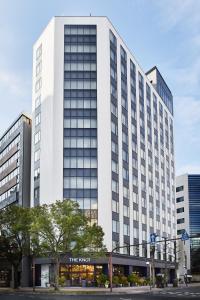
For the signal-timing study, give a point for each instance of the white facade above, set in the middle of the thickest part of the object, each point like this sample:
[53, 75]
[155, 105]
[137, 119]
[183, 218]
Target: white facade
[49, 85]
[182, 203]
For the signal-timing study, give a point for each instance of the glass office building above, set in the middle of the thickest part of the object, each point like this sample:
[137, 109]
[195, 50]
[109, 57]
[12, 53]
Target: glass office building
[188, 215]
[15, 170]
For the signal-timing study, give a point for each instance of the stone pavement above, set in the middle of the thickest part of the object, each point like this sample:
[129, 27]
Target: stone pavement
[95, 290]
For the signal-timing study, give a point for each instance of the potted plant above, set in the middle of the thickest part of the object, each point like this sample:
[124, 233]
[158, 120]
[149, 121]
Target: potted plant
[115, 280]
[133, 279]
[101, 279]
[106, 284]
[141, 281]
[124, 280]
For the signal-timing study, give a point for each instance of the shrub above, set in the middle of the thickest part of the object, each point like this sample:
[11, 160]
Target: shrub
[123, 280]
[61, 280]
[115, 280]
[101, 279]
[133, 278]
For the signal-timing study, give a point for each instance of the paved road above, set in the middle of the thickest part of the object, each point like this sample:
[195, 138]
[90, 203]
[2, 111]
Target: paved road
[171, 294]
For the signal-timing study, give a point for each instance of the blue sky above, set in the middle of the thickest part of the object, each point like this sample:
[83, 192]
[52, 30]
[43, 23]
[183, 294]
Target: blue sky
[165, 33]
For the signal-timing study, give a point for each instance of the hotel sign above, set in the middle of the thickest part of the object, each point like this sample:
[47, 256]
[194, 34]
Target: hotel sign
[79, 260]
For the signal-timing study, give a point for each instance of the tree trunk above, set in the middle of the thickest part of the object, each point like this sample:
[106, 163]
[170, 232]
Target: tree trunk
[15, 277]
[56, 272]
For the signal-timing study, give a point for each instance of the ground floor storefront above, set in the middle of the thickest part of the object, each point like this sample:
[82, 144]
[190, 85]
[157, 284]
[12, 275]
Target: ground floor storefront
[79, 271]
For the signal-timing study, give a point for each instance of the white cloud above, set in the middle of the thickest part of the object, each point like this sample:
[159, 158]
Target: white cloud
[14, 84]
[187, 112]
[15, 91]
[188, 169]
[176, 12]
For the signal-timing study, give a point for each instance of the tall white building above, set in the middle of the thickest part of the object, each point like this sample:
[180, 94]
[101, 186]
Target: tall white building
[103, 133]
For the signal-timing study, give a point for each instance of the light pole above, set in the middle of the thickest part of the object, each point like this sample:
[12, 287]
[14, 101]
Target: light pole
[149, 264]
[110, 270]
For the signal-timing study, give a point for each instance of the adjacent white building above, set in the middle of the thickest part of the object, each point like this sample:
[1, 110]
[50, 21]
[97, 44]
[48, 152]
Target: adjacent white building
[103, 133]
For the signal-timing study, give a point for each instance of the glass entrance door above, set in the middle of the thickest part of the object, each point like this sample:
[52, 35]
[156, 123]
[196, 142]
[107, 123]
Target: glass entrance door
[77, 273]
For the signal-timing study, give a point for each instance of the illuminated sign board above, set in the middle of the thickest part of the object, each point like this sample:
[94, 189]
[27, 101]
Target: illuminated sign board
[79, 260]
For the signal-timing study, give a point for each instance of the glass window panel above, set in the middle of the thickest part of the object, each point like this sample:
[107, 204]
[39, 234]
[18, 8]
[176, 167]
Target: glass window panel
[67, 84]
[93, 183]
[80, 30]
[80, 85]
[86, 103]
[93, 203]
[80, 202]
[79, 67]
[67, 104]
[87, 182]
[73, 48]
[67, 48]
[93, 163]
[93, 104]
[93, 67]
[93, 143]
[74, 30]
[80, 162]
[87, 123]
[80, 123]
[86, 162]
[86, 143]
[79, 182]
[87, 85]
[86, 203]
[67, 123]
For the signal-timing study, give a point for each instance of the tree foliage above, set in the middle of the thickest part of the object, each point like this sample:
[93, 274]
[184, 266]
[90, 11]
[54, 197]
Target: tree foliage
[63, 228]
[195, 260]
[15, 224]
[48, 230]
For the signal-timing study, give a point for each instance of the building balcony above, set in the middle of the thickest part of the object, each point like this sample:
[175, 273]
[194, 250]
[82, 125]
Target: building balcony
[14, 197]
[8, 185]
[9, 169]
[9, 154]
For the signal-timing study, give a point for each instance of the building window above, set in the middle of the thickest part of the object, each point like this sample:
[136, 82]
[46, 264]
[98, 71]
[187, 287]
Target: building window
[114, 166]
[38, 85]
[37, 101]
[37, 119]
[114, 147]
[180, 231]
[37, 137]
[115, 206]
[135, 215]
[36, 174]
[180, 210]
[179, 199]
[126, 211]
[37, 155]
[180, 221]
[126, 230]
[179, 188]
[115, 186]
[125, 192]
[114, 128]
[115, 226]
[39, 52]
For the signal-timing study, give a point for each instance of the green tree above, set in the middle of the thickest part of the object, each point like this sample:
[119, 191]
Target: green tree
[63, 228]
[195, 260]
[15, 223]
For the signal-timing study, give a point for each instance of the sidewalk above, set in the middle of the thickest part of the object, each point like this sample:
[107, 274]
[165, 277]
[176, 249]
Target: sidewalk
[93, 290]
[80, 290]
